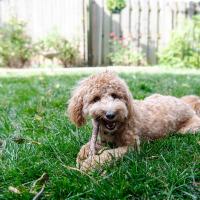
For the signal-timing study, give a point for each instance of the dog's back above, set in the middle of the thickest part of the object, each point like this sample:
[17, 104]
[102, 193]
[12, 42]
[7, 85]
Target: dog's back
[160, 115]
[194, 102]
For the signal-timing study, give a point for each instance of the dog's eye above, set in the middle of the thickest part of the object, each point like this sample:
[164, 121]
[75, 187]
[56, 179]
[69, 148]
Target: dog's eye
[115, 96]
[97, 98]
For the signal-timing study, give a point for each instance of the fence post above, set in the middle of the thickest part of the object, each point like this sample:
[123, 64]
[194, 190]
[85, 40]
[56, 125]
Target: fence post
[90, 13]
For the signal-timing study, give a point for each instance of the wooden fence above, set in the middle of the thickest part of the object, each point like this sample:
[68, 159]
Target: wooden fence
[68, 17]
[147, 23]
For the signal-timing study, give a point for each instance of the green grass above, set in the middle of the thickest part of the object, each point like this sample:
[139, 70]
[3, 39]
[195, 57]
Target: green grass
[34, 108]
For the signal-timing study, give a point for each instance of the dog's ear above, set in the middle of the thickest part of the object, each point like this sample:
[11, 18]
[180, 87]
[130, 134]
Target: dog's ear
[130, 103]
[127, 97]
[75, 107]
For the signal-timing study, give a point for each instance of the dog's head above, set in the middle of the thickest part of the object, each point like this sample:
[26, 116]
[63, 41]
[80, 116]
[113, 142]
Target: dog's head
[104, 97]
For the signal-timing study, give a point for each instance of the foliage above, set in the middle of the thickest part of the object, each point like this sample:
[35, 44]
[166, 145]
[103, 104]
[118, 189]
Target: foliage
[60, 48]
[16, 48]
[122, 53]
[183, 49]
[34, 108]
[115, 6]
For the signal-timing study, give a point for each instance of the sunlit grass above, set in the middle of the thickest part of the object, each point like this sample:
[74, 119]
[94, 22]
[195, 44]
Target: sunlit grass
[34, 109]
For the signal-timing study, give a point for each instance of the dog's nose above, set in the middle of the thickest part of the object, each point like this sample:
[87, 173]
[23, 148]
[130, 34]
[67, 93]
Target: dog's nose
[110, 115]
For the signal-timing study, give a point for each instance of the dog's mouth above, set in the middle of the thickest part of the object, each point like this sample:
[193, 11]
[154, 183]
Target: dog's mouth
[110, 125]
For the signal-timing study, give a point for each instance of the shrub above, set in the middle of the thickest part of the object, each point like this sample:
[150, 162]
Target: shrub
[115, 6]
[122, 53]
[57, 46]
[16, 48]
[183, 49]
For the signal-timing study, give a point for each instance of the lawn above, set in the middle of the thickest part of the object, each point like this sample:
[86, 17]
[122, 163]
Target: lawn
[38, 138]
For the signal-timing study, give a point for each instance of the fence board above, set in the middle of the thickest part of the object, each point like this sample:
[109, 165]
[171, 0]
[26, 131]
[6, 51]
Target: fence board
[144, 28]
[125, 21]
[135, 24]
[153, 32]
[191, 8]
[160, 23]
[181, 12]
[116, 18]
[146, 23]
[106, 35]
[97, 27]
[44, 16]
[167, 18]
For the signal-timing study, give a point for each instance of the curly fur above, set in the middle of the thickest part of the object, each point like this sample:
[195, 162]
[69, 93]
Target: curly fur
[154, 117]
[193, 101]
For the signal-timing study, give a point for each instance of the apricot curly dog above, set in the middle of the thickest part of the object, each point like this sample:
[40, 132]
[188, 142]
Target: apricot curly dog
[123, 120]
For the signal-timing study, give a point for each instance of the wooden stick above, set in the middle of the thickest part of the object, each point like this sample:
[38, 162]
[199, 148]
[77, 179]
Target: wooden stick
[94, 138]
[39, 194]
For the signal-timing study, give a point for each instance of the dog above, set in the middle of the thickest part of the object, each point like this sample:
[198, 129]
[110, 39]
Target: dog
[124, 121]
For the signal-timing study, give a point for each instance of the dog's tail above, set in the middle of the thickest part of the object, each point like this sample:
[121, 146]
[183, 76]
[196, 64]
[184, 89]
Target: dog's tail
[194, 102]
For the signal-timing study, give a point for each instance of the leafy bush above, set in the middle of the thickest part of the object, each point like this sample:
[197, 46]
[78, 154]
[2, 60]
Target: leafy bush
[57, 46]
[122, 53]
[183, 49]
[115, 6]
[16, 48]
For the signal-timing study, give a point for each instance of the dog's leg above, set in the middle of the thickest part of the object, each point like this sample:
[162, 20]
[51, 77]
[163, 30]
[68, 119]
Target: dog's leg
[191, 126]
[85, 151]
[105, 157]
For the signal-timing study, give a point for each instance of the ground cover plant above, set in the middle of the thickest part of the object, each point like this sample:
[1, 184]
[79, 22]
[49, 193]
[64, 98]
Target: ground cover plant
[56, 46]
[37, 138]
[115, 6]
[122, 53]
[183, 49]
[16, 47]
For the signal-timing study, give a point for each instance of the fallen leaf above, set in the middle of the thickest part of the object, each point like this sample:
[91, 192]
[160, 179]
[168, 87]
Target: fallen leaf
[18, 139]
[40, 181]
[197, 184]
[14, 190]
[153, 157]
[34, 142]
[38, 117]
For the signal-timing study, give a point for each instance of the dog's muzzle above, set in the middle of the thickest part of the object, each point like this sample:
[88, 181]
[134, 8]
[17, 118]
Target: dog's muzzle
[110, 125]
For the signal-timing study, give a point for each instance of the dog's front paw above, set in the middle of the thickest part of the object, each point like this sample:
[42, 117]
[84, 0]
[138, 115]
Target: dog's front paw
[87, 164]
[96, 161]
[91, 163]
[85, 150]
[83, 154]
